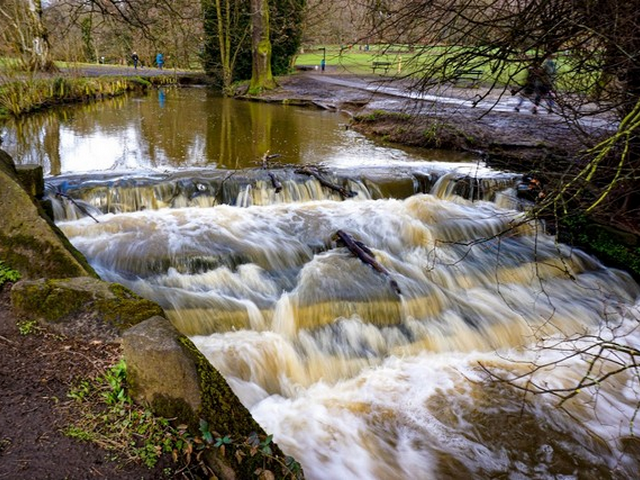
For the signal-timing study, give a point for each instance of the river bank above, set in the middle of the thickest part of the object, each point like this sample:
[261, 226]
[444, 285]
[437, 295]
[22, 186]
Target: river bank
[37, 371]
[469, 118]
[22, 93]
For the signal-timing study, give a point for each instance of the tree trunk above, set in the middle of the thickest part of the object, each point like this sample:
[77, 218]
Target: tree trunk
[224, 41]
[40, 59]
[261, 76]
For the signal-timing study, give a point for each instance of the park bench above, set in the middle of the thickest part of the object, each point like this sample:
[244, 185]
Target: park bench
[471, 76]
[383, 65]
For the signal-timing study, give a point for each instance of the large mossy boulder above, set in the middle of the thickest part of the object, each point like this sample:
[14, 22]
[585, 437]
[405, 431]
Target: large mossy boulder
[83, 307]
[29, 241]
[170, 375]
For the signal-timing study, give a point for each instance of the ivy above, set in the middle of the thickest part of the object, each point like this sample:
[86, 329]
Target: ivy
[579, 230]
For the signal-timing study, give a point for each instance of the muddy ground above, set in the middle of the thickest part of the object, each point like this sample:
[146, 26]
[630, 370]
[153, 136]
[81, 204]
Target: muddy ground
[36, 372]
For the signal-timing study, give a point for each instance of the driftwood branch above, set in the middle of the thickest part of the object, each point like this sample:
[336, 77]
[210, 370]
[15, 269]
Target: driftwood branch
[325, 183]
[365, 255]
[72, 200]
[266, 158]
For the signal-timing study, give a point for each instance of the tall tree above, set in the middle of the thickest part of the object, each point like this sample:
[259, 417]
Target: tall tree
[228, 35]
[336, 22]
[227, 28]
[40, 52]
[286, 19]
[25, 32]
[261, 76]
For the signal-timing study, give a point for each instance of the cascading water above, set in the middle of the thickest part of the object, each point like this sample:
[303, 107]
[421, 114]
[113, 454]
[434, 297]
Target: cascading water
[354, 379]
[358, 381]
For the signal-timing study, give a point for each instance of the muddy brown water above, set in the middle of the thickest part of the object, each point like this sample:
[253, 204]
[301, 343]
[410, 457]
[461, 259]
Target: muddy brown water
[353, 379]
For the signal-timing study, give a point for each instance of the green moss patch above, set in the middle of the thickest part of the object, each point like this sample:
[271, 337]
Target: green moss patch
[83, 305]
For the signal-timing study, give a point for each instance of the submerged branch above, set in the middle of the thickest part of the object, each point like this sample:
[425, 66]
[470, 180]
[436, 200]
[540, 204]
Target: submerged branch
[80, 207]
[325, 183]
[365, 254]
[590, 378]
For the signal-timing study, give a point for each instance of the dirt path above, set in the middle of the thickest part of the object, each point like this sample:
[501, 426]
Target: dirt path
[36, 371]
[87, 70]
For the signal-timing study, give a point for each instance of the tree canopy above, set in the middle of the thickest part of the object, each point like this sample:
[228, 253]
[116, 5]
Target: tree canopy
[25, 34]
[102, 30]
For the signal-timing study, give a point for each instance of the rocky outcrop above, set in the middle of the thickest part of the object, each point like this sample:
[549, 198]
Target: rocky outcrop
[168, 373]
[82, 307]
[32, 179]
[29, 241]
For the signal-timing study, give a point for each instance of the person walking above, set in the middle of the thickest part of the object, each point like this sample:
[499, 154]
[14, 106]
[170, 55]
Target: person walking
[160, 60]
[536, 87]
[135, 59]
[549, 71]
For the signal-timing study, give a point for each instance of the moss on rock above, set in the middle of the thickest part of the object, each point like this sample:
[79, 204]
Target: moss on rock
[32, 178]
[29, 241]
[220, 407]
[35, 256]
[82, 306]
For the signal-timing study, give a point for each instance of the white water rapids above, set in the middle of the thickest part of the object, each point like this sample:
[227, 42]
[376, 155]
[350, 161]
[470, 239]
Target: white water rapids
[357, 382]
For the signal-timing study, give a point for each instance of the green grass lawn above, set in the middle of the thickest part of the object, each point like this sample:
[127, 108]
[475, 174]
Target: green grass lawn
[359, 59]
[349, 60]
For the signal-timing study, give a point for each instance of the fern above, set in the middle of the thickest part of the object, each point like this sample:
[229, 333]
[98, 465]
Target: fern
[7, 274]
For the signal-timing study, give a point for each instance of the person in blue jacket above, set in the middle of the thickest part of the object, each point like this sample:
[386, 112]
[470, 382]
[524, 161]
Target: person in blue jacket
[160, 60]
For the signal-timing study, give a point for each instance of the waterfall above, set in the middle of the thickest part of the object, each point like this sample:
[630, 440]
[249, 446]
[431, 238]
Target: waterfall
[354, 379]
[80, 195]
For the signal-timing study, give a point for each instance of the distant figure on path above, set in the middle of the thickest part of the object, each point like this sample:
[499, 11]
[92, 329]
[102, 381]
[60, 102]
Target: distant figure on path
[549, 71]
[537, 85]
[160, 60]
[135, 58]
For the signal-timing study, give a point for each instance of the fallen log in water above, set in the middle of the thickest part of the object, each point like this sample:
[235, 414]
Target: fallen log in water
[266, 158]
[275, 182]
[325, 183]
[365, 254]
[72, 200]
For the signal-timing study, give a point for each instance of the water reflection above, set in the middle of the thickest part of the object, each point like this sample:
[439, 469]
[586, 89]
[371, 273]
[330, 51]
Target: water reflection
[161, 97]
[183, 128]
